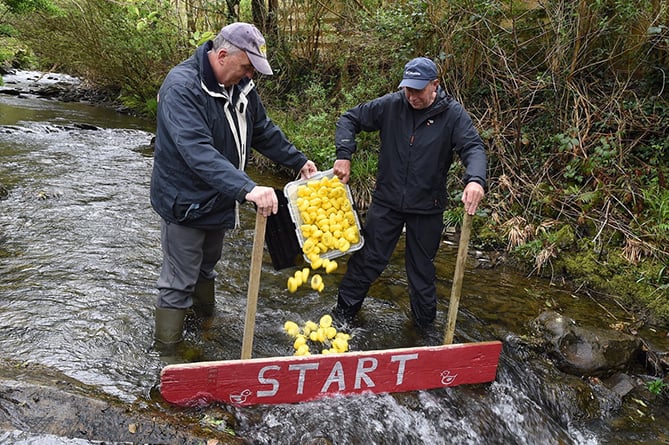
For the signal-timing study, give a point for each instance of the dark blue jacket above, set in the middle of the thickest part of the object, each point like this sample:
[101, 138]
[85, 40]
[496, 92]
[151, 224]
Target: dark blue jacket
[417, 148]
[197, 177]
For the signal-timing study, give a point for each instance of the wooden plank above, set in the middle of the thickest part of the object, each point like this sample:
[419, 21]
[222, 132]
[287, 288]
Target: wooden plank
[254, 284]
[298, 379]
[457, 278]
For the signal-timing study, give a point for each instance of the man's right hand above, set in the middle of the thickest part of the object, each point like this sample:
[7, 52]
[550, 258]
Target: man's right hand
[265, 199]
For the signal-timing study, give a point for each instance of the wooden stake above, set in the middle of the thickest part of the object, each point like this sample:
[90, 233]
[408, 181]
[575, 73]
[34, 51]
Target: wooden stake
[457, 278]
[254, 284]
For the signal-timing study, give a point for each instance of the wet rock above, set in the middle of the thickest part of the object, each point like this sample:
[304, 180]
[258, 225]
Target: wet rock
[87, 127]
[57, 86]
[10, 91]
[55, 90]
[318, 441]
[621, 384]
[585, 351]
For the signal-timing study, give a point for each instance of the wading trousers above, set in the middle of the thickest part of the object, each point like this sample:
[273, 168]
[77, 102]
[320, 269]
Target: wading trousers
[383, 227]
[189, 256]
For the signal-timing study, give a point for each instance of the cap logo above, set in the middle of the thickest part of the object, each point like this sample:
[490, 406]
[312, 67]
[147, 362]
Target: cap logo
[263, 50]
[418, 72]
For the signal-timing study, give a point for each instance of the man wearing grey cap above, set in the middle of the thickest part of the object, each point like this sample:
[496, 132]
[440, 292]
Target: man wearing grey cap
[421, 128]
[209, 117]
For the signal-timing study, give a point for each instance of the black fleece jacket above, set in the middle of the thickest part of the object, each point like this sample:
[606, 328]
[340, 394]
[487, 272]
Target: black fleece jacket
[417, 148]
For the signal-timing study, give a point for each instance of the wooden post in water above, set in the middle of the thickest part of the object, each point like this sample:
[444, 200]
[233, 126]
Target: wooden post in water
[457, 278]
[254, 284]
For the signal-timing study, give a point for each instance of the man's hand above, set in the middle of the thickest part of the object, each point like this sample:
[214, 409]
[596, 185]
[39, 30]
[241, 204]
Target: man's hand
[342, 169]
[265, 199]
[471, 196]
[308, 170]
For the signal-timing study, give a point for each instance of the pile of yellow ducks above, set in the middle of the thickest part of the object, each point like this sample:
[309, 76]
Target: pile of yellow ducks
[328, 221]
[322, 335]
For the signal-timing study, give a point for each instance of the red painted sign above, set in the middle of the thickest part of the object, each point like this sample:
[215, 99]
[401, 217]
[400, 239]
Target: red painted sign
[298, 379]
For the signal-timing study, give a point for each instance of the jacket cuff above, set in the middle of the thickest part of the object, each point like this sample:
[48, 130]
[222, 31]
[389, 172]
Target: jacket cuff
[343, 154]
[478, 180]
[241, 196]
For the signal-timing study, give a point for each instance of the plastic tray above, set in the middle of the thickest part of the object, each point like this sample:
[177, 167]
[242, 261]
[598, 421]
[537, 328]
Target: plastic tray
[290, 191]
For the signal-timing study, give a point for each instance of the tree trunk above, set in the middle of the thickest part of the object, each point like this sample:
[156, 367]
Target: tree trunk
[264, 15]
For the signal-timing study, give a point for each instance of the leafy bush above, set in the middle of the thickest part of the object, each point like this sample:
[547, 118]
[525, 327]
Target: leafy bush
[126, 49]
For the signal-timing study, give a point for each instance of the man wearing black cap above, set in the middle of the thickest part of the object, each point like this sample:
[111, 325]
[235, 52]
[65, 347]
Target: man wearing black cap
[421, 128]
[209, 117]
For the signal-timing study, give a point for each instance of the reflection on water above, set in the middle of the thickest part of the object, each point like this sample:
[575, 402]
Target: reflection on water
[80, 253]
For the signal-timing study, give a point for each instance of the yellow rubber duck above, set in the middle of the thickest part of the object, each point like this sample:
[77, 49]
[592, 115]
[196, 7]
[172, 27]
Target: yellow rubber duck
[303, 350]
[325, 321]
[316, 262]
[340, 345]
[317, 282]
[292, 285]
[300, 340]
[343, 336]
[291, 328]
[320, 335]
[330, 332]
[309, 327]
[298, 278]
[330, 267]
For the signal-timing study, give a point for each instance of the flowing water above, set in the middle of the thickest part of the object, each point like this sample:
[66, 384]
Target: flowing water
[80, 254]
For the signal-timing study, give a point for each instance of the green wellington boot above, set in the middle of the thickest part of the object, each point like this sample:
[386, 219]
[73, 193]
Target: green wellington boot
[203, 298]
[169, 330]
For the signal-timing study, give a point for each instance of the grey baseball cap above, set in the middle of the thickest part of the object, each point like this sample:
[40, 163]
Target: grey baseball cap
[246, 37]
[418, 73]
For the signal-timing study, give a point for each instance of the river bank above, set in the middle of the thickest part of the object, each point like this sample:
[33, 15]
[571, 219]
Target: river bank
[57, 86]
[43, 404]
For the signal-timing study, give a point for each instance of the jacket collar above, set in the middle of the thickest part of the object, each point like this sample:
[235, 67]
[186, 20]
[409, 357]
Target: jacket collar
[206, 72]
[441, 103]
[209, 83]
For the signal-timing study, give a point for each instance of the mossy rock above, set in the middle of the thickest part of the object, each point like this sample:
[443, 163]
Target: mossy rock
[641, 287]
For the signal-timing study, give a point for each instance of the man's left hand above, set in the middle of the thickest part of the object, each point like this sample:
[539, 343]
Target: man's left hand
[471, 196]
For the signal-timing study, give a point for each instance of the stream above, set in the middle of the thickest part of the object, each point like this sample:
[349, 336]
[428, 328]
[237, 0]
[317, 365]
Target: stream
[80, 255]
